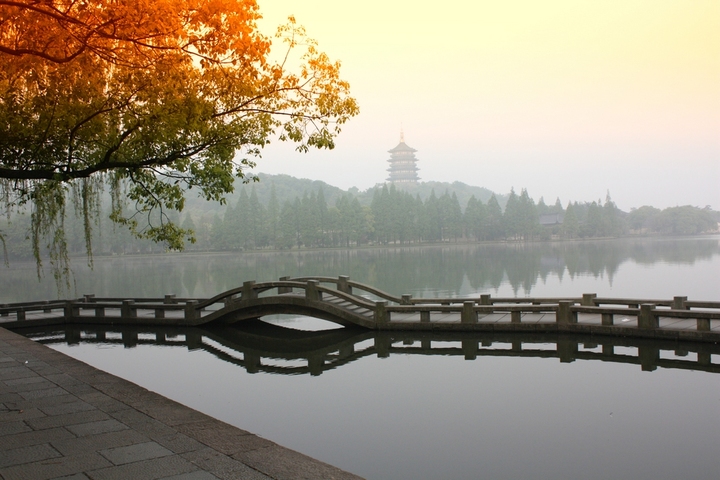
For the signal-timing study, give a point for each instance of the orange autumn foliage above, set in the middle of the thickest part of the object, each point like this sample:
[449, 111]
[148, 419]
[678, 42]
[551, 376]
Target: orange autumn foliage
[149, 98]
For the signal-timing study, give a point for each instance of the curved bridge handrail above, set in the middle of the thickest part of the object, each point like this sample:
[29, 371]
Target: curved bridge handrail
[294, 283]
[359, 301]
[257, 287]
[354, 284]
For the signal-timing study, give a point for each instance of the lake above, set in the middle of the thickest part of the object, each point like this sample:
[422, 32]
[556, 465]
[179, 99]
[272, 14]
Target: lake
[420, 407]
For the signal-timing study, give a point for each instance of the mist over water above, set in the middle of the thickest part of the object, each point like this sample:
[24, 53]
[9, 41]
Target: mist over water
[630, 267]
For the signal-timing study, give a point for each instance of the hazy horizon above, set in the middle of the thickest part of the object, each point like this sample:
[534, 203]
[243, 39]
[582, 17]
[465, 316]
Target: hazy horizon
[566, 99]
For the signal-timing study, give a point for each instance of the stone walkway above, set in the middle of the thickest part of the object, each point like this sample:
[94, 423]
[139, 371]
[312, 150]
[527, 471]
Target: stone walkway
[61, 418]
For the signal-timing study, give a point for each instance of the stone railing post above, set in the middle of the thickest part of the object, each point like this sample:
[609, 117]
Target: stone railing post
[679, 303]
[312, 293]
[343, 284]
[469, 315]
[565, 315]
[381, 314]
[703, 324]
[191, 313]
[20, 314]
[485, 299]
[406, 299]
[588, 299]
[647, 320]
[89, 298]
[282, 290]
[69, 310]
[170, 299]
[248, 290]
[128, 309]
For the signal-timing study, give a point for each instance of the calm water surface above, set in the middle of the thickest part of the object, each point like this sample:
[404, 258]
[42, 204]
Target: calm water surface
[412, 415]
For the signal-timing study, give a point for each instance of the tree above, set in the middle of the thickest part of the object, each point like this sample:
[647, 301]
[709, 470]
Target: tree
[494, 219]
[571, 226]
[512, 217]
[149, 99]
[475, 219]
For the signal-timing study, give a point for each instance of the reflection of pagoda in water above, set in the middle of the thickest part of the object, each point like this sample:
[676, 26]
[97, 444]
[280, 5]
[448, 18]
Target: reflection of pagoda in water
[403, 168]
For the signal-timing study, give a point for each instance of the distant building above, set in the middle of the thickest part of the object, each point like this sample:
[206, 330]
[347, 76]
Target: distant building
[550, 219]
[403, 168]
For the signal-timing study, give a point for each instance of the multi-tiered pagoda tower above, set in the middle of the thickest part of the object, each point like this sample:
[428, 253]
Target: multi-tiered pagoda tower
[403, 169]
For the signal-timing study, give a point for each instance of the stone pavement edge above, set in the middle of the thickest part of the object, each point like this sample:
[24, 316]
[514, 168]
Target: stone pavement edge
[62, 418]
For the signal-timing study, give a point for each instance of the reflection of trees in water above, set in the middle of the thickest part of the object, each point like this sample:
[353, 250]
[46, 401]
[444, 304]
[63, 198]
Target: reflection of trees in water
[422, 271]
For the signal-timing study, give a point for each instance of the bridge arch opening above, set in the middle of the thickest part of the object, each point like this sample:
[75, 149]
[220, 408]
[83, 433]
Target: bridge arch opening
[304, 323]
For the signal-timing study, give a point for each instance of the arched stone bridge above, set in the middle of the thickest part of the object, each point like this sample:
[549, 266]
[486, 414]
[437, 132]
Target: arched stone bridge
[349, 303]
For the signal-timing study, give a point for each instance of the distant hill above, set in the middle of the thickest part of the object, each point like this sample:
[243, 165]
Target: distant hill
[462, 190]
[287, 188]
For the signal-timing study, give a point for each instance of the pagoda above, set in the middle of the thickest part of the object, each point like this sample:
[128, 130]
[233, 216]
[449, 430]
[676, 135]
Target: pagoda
[403, 169]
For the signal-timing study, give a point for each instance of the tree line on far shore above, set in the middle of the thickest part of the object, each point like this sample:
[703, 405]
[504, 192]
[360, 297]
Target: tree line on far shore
[393, 217]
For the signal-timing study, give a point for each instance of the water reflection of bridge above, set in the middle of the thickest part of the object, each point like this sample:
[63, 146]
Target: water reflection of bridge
[261, 347]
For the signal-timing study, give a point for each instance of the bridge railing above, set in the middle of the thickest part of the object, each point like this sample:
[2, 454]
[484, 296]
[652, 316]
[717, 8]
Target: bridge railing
[314, 289]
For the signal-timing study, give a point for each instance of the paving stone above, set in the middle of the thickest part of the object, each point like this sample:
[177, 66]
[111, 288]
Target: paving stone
[170, 412]
[224, 438]
[69, 419]
[36, 385]
[10, 397]
[13, 373]
[78, 445]
[28, 454]
[77, 476]
[142, 423]
[65, 408]
[63, 379]
[135, 453]
[282, 464]
[94, 428]
[80, 389]
[45, 392]
[27, 380]
[44, 369]
[222, 466]
[33, 437]
[11, 428]
[55, 468]
[102, 402]
[13, 415]
[146, 470]
[178, 442]
[196, 475]
[43, 402]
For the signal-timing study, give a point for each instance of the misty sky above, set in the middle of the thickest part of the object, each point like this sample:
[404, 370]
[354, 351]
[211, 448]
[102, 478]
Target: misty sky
[565, 98]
